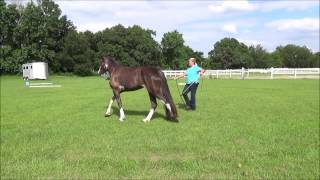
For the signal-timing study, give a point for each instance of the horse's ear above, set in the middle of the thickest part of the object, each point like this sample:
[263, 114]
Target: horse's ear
[103, 59]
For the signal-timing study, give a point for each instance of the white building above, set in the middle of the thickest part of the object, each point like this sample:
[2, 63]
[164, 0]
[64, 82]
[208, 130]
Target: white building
[35, 70]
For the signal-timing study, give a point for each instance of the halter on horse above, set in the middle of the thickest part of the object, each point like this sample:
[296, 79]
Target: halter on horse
[123, 78]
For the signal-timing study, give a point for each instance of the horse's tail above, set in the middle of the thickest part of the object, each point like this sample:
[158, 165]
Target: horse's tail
[171, 111]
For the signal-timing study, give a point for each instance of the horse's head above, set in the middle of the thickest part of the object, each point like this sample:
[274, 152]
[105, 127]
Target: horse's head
[105, 65]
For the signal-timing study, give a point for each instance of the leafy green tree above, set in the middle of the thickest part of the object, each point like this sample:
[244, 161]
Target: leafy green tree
[205, 63]
[275, 60]
[315, 60]
[294, 56]
[173, 50]
[32, 33]
[230, 53]
[260, 57]
[132, 46]
[76, 56]
[9, 18]
[176, 53]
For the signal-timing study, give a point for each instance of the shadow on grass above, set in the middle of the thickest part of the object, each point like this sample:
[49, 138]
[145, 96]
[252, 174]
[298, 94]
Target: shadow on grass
[143, 114]
[181, 106]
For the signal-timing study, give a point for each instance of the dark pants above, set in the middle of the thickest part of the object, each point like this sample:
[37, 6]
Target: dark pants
[193, 89]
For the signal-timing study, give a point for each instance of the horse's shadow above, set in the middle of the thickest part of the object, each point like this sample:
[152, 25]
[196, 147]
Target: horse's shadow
[143, 114]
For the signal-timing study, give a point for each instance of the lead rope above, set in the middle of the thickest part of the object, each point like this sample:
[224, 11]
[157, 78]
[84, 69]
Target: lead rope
[201, 76]
[181, 100]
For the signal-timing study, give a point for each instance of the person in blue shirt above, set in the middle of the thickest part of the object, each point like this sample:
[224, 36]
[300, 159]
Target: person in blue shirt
[192, 75]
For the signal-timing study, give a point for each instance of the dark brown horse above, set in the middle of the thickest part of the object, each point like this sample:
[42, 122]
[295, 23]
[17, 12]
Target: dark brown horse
[123, 78]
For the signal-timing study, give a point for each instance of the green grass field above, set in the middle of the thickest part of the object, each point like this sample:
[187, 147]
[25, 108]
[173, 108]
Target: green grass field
[266, 129]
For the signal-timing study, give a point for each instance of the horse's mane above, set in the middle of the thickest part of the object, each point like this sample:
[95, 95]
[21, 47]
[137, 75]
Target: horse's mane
[112, 60]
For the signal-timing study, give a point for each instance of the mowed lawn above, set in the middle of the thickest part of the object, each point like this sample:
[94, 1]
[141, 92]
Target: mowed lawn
[243, 129]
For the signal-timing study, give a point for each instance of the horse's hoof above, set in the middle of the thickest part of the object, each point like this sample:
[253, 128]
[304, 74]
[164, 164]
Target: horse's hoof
[146, 120]
[108, 113]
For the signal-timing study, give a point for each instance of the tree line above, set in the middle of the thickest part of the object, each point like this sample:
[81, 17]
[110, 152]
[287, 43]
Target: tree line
[39, 32]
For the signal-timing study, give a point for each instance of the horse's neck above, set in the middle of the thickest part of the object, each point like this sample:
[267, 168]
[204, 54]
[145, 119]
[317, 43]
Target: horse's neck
[114, 66]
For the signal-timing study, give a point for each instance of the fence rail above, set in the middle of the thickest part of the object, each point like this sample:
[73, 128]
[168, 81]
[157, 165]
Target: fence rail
[271, 73]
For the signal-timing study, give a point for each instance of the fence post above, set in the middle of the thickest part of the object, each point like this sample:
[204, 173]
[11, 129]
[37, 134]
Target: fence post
[295, 73]
[271, 72]
[217, 74]
[242, 72]
[230, 73]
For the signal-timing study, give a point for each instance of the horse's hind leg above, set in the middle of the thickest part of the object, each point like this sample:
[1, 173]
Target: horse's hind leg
[108, 113]
[153, 101]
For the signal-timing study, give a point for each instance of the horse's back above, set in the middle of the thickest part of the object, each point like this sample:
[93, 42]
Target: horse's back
[133, 78]
[150, 70]
[127, 78]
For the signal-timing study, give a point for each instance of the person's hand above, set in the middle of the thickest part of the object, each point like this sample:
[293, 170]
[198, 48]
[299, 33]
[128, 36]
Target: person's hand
[202, 71]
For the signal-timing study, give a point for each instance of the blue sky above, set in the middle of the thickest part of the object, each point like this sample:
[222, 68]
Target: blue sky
[203, 23]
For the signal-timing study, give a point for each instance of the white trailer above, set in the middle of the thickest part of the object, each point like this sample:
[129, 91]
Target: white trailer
[35, 70]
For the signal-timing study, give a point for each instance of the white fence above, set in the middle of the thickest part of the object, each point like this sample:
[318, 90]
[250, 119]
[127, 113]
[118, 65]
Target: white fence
[272, 73]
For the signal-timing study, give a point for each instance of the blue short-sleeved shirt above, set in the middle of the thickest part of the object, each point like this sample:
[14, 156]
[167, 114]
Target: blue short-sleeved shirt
[192, 74]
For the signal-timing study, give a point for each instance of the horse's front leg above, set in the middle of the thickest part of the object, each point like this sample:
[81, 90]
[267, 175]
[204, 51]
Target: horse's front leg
[117, 97]
[109, 112]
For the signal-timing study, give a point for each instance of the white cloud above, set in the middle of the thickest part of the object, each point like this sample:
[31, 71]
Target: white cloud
[158, 15]
[241, 5]
[306, 24]
[96, 26]
[249, 42]
[202, 23]
[231, 28]
[232, 6]
[287, 5]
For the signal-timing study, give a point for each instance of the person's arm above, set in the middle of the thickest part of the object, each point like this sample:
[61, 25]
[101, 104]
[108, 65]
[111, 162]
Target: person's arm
[182, 75]
[201, 71]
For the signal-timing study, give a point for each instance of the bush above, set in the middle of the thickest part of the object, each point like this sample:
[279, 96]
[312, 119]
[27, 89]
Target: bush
[82, 70]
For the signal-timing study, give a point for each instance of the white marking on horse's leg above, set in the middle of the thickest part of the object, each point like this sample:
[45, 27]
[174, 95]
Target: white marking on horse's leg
[148, 118]
[121, 115]
[168, 107]
[109, 108]
[121, 87]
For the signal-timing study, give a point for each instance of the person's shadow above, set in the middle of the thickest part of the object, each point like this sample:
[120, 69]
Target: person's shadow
[181, 106]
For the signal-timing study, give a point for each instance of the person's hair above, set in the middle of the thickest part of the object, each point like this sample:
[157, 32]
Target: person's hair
[193, 60]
